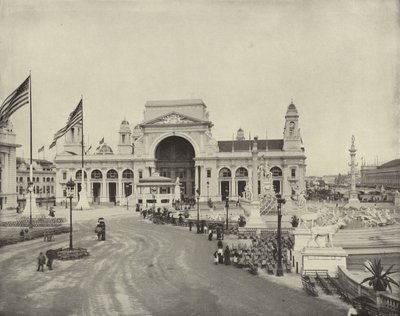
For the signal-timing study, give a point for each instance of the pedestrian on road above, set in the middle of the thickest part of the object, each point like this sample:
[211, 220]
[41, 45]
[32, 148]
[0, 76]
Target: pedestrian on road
[103, 230]
[220, 245]
[98, 230]
[41, 261]
[190, 225]
[227, 255]
[220, 255]
[50, 254]
[216, 257]
[210, 235]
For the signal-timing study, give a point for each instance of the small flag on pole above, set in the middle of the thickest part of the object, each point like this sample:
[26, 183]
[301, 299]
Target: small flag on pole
[90, 147]
[41, 149]
[15, 101]
[74, 118]
[101, 141]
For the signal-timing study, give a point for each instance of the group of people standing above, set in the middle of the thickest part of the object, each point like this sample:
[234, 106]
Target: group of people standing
[41, 259]
[222, 256]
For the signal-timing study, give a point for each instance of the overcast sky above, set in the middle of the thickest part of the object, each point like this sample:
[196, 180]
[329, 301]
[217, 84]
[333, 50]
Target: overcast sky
[337, 60]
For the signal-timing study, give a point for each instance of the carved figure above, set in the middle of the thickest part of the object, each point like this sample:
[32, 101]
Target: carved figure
[301, 200]
[248, 192]
[263, 171]
[325, 231]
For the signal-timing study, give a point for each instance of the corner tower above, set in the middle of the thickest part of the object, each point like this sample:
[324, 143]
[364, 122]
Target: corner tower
[291, 132]
[124, 143]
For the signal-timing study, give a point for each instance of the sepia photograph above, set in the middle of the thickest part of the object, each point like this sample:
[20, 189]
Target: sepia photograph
[199, 157]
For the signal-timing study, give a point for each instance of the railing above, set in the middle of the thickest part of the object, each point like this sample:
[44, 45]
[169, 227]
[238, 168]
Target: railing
[383, 300]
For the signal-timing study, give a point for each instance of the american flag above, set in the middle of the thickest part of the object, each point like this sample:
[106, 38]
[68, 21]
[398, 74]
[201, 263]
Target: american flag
[15, 100]
[74, 118]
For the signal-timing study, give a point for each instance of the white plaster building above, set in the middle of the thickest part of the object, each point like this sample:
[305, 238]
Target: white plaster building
[8, 194]
[175, 139]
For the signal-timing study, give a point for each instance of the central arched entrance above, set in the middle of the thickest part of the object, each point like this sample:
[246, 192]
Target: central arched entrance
[174, 158]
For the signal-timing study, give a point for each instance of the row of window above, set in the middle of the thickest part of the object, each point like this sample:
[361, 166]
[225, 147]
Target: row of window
[35, 179]
[36, 189]
[242, 172]
[97, 174]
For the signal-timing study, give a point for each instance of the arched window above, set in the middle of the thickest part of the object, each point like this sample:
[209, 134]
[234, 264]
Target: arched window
[21, 179]
[78, 175]
[37, 179]
[96, 174]
[276, 172]
[48, 179]
[127, 174]
[112, 174]
[241, 173]
[225, 173]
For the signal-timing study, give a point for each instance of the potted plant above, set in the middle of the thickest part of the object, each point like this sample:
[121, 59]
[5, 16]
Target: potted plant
[294, 221]
[379, 280]
[242, 221]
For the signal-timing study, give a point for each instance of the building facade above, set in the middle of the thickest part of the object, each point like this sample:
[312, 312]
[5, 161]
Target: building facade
[43, 180]
[175, 139]
[387, 175]
[8, 195]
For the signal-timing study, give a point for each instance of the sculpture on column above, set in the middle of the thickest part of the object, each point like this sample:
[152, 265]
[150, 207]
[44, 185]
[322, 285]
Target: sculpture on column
[325, 231]
[268, 204]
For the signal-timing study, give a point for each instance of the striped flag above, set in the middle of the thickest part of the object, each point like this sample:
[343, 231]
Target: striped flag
[40, 149]
[74, 118]
[15, 100]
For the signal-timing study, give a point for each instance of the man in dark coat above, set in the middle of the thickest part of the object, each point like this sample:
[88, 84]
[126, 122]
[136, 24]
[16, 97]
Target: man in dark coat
[51, 255]
[103, 231]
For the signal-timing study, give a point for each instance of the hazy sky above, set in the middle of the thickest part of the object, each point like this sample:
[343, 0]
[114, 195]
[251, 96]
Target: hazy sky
[337, 60]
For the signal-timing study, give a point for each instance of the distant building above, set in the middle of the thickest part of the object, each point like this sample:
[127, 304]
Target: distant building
[329, 179]
[387, 175]
[44, 179]
[175, 140]
[8, 195]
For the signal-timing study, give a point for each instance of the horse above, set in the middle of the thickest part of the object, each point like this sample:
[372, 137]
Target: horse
[325, 231]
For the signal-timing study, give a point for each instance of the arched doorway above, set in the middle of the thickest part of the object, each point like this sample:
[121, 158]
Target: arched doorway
[174, 158]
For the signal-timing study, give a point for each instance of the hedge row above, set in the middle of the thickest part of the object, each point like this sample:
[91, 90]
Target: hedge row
[36, 222]
[32, 234]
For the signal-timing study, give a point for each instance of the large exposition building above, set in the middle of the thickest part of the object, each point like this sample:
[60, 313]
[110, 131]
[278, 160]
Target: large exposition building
[387, 175]
[175, 140]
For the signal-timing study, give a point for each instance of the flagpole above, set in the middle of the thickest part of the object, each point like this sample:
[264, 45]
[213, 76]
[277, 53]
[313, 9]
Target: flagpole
[30, 142]
[83, 178]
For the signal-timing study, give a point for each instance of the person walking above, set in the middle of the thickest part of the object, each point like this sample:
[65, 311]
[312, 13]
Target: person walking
[210, 235]
[227, 255]
[216, 257]
[103, 230]
[41, 261]
[98, 231]
[51, 255]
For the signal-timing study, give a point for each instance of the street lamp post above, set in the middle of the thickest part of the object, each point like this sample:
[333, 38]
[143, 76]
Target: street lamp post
[280, 201]
[227, 208]
[70, 193]
[127, 185]
[208, 187]
[47, 200]
[198, 205]
[30, 188]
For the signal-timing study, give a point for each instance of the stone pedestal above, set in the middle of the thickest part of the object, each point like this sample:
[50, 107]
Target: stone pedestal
[27, 209]
[301, 237]
[254, 222]
[323, 259]
[83, 203]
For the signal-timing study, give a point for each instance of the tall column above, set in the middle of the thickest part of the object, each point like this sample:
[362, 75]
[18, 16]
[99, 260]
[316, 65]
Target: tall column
[196, 177]
[104, 187]
[255, 221]
[353, 198]
[120, 188]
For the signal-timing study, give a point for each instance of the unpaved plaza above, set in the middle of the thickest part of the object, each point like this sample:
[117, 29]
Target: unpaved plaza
[143, 269]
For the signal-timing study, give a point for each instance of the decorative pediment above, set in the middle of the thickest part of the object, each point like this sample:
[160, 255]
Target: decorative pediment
[174, 118]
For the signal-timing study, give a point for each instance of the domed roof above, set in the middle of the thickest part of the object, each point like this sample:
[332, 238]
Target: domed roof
[291, 110]
[240, 129]
[124, 122]
[124, 127]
